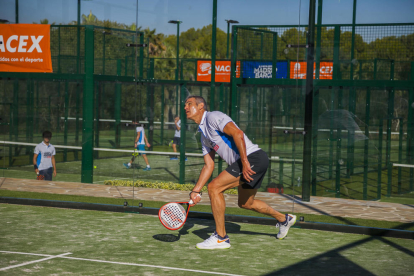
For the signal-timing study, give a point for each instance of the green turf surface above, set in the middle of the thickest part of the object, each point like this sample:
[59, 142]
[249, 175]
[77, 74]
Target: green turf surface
[129, 240]
[407, 199]
[207, 208]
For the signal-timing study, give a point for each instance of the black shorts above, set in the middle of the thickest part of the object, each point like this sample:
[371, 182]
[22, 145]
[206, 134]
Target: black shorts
[176, 141]
[47, 173]
[259, 162]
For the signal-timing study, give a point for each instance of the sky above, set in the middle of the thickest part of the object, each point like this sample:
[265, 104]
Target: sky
[199, 13]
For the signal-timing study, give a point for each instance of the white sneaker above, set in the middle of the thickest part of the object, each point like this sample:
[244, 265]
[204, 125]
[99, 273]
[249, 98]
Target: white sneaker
[214, 242]
[284, 226]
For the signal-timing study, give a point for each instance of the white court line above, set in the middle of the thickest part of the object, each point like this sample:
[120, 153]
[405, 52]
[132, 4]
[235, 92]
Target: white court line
[32, 262]
[120, 263]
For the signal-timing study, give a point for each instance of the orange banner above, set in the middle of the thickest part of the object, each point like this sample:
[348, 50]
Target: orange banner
[25, 48]
[222, 70]
[298, 70]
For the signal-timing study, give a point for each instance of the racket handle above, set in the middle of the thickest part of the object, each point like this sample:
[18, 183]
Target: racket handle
[191, 201]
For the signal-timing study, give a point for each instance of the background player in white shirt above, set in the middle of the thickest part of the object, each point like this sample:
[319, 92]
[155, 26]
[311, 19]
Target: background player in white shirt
[44, 157]
[247, 167]
[177, 136]
[140, 142]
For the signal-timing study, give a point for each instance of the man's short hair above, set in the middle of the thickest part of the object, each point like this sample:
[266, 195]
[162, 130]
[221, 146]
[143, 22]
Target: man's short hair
[47, 134]
[198, 100]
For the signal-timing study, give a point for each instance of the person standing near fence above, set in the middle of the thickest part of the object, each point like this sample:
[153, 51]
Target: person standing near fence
[177, 136]
[44, 157]
[140, 142]
[247, 167]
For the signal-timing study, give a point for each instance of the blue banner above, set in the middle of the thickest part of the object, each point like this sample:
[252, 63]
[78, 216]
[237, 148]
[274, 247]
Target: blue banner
[263, 69]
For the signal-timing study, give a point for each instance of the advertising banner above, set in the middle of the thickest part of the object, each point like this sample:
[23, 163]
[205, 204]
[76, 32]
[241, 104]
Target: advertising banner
[25, 48]
[298, 70]
[222, 70]
[263, 69]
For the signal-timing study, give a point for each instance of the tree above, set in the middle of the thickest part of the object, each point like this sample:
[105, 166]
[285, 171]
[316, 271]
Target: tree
[45, 21]
[90, 19]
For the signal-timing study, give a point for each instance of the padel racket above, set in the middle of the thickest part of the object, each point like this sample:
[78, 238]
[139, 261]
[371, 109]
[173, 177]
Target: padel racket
[40, 177]
[173, 215]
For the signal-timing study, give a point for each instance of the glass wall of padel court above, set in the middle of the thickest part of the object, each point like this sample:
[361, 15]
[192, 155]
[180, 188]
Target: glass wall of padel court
[358, 140]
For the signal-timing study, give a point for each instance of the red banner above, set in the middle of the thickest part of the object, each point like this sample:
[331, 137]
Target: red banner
[25, 48]
[223, 69]
[298, 70]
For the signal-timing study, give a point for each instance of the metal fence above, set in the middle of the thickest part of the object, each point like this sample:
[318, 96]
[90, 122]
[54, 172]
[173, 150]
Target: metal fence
[362, 143]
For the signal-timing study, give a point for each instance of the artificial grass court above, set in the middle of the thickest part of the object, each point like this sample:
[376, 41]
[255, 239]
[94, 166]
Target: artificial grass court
[106, 243]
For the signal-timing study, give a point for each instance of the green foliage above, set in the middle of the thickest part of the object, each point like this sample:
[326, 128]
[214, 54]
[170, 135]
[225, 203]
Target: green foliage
[198, 43]
[160, 185]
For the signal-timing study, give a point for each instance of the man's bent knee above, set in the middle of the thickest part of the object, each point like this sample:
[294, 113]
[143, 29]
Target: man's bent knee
[213, 188]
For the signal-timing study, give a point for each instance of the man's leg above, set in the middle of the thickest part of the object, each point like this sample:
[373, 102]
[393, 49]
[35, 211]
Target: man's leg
[145, 159]
[216, 188]
[174, 146]
[48, 174]
[247, 201]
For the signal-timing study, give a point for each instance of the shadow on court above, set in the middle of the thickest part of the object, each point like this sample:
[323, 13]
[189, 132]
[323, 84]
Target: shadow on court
[206, 232]
[334, 262]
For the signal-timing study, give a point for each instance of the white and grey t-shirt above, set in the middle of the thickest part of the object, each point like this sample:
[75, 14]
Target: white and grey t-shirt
[44, 156]
[141, 140]
[213, 137]
[178, 132]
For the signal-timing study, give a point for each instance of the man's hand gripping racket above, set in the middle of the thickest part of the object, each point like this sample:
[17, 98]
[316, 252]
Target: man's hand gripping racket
[173, 215]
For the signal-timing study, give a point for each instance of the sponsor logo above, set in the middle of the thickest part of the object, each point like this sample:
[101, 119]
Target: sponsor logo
[263, 69]
[205, 69]
[263, 72]
[298, 70]
[21, 44]
[220, 241]
[216, 147]
[236, 172]
[25, 48]
[222, 70]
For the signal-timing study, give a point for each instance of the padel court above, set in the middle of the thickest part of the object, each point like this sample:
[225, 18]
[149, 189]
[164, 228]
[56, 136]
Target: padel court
[44, 240]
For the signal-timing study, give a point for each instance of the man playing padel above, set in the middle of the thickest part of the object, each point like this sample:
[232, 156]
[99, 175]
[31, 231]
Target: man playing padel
[247, 167]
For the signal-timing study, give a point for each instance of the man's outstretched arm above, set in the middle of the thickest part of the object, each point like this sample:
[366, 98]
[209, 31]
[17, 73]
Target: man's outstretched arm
[205, 174]
[238, 137]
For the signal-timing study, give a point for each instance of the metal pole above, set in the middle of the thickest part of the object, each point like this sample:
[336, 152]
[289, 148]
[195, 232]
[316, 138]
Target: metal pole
[59, 50]
[87, 124]
[307, 142]
[233, 84]
[213, 56]
[183, 118]
[379, 159]
[118, 94]
[176, 69]
[65, 133]
[318, 40]
[17, 11]
[400, 141]
[103, 56]
[410, 129]
[228, 28]
[162, 114]
[366, 145]
[353, 39]
[316, 95]
[261, 46]
[78, 40]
